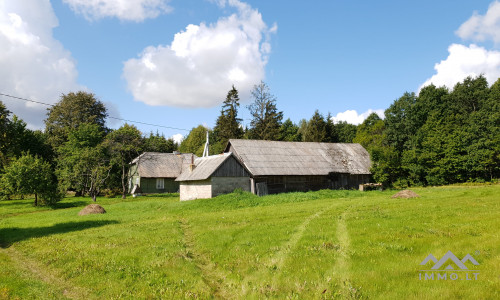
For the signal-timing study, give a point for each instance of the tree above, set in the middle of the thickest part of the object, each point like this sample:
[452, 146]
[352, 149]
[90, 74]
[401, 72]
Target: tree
[316, 130]
[346, 132]
[83, 162]
[195, 141]
[289, 132]
[371, 135]
[266, 121]
[124, 144]
[72, 110]
[29, 175]
[331, 130]
[4, 125]
[228, 125]
[158, 143]
[398, 122]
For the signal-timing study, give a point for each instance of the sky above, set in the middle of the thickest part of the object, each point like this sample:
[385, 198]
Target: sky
[171, 62]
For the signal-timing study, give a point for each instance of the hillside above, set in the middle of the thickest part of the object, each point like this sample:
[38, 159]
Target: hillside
[326, 244]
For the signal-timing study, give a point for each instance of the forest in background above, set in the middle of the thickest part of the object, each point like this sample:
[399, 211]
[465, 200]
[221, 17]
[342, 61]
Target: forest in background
[437, 137]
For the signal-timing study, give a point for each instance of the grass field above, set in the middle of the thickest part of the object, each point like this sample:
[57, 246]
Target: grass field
[326, 244]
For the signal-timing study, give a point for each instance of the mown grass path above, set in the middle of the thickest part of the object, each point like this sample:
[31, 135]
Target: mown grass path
[340, 275]
[212, 276]
[42, 273]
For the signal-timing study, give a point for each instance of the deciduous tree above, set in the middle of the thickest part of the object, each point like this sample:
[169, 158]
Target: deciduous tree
[124, 144]
[72, 110]
[30, 175]
[266, 119]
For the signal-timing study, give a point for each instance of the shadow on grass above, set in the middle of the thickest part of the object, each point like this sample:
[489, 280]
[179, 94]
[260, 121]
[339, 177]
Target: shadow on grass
[62, 205]
[8, 236]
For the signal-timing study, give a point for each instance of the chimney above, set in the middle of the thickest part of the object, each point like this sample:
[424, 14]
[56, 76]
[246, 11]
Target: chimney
[192, 166]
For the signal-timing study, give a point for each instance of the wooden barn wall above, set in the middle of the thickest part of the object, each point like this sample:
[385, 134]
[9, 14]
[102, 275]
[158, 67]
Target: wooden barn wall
[284, 184]
[226, 185]
[231, 168]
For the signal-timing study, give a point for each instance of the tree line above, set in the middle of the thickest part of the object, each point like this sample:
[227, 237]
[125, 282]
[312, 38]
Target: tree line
[439, 136]
[76, 152]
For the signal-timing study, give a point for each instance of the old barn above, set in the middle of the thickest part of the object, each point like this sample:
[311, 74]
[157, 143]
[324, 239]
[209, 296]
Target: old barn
[154, 172]
[213, 175]
[278, 167]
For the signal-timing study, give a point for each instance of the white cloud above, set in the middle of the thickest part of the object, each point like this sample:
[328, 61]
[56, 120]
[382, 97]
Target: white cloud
[482, 27]
[127, 10]
[33, 64]
[202, 63]
[352, 116]
[177, 138]
[466, 61]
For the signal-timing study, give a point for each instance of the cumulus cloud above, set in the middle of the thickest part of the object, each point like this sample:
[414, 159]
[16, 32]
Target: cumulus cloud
[482, 27]
[126, 10]
[177, 138]
[33, 64]
[202, 62]
[352, 116]
[464, 61]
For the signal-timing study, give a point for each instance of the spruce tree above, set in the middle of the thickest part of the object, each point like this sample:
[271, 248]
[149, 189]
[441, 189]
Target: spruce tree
[228, 125]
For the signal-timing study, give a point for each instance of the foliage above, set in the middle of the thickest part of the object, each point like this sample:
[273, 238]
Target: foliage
[4, 125]
[195, 141]
[30, 175]
[83, 163]
[158, 143]
[124, 144]
[266, 119]
[228, 125]
[72, 110]
[290, 132]
[440, 136]
[316, 129]
[345, 132]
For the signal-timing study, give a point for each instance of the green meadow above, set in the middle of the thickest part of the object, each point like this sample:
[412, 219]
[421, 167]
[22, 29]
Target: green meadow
[319, 245]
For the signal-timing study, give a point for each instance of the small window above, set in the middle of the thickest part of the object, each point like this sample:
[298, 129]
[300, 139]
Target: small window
[160, 183]
[137, 180]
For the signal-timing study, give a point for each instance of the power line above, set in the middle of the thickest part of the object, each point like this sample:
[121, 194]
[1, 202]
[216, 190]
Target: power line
[111, 117]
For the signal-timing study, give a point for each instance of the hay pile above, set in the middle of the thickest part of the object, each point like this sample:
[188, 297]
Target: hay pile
[92, 209]
[406, 194]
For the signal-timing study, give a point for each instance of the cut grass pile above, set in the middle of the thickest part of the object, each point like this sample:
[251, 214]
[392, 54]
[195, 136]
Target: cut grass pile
[325, 244]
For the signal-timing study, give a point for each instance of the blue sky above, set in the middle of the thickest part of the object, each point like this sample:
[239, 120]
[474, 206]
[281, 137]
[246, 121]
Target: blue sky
[172, 62]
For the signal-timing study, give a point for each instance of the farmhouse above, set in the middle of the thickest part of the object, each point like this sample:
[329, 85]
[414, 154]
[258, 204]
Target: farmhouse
[278, 167]
[153, 172]
[213, 175]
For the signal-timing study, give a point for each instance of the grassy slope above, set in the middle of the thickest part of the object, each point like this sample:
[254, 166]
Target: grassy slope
[326, 244]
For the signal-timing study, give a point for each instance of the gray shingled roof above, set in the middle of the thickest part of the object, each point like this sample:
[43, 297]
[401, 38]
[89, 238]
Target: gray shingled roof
[204, 167]
[161, 165]
[300, 158]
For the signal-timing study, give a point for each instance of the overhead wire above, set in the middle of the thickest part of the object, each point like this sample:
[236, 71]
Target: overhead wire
[110, 117]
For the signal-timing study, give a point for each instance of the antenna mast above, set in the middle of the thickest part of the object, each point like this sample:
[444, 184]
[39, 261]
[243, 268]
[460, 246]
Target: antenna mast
[205, 151]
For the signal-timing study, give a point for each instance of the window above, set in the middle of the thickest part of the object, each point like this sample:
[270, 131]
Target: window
[160, 183]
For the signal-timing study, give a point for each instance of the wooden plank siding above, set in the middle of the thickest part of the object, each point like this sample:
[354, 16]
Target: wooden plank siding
[148, 186]
[231, 168]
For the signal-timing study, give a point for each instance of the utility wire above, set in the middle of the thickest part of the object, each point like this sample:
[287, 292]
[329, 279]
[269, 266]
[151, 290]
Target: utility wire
[110, 117]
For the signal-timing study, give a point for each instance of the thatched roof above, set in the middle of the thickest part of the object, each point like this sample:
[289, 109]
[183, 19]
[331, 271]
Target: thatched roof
[161, 165]
[204, 167]
[300, 158]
